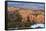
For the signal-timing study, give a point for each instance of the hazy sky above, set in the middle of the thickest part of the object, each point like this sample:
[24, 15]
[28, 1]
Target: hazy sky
[27, 5]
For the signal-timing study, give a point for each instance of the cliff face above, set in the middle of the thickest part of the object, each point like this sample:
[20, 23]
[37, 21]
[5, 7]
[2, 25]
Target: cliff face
[33, 16]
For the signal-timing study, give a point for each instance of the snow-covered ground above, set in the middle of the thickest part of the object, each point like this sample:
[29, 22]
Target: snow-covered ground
[37, 25]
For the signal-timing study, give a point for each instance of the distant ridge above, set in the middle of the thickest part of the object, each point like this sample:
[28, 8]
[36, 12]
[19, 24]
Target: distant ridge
[29, 9]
